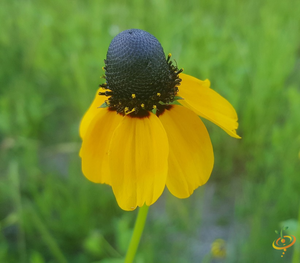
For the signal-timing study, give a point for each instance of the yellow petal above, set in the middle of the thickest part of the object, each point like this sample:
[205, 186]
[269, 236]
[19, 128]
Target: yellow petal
[191, 154]
[91, 112]
[138, 158]
[199, 97]
[95, 146]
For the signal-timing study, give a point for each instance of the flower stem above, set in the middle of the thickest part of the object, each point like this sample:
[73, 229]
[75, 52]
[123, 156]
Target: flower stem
[137, 233]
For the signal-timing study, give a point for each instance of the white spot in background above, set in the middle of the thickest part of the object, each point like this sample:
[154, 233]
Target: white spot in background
[114, 30]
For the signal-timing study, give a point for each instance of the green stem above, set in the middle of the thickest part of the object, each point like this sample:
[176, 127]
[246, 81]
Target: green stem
[137, 233]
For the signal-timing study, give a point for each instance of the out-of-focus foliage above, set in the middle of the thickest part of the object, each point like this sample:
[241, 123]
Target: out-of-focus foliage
[51, 54]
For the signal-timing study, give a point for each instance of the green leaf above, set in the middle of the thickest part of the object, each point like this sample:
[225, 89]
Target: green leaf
[104, 105]
[178, 98]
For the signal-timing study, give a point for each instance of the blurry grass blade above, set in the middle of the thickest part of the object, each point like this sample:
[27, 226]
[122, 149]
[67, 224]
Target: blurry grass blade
[10, 220]
[14, 175]
[36, 257]
[47, 237]
[296, 254]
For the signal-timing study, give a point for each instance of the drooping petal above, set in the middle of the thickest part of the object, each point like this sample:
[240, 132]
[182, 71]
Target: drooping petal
[138, 158]
[199, 97]
[95, 146]
[191, 156]
[91, 112]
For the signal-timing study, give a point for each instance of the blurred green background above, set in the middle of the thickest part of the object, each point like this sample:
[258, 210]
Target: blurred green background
[51, 54]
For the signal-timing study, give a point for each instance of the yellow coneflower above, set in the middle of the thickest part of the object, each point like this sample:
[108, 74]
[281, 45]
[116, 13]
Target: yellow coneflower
[142, 131]
[218, 248]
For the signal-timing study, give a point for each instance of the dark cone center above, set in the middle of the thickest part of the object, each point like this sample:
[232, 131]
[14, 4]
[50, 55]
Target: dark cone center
[138, 75]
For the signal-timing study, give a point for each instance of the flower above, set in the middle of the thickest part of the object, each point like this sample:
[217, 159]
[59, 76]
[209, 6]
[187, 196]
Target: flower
[218, 248]
[142, 131]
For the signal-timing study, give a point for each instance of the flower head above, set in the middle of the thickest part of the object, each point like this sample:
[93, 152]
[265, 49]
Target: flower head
[139, 77]
[218, 248]
[142, 131]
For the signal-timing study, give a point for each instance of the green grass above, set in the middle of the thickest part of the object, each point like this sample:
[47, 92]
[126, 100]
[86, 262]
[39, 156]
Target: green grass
[51, 55]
